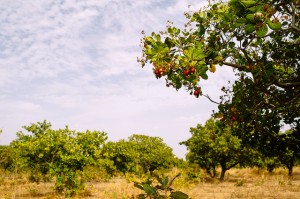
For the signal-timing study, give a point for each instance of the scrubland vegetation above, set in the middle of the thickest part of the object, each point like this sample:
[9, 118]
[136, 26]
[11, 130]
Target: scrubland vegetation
[240, 152]
[243, 183]
[63, 163]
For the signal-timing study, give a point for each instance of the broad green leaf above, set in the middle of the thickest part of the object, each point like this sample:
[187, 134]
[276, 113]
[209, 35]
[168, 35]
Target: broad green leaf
[149, 190]
[241, 20]
[249, 28]
[250, 18]
[201, 30]
[248, 3]
[198, 55]
[169, 42]
[178, 195]
[219, 58]
[221, 25]
[262, 31]
[165, 182]
[275, 26]
[137, 185]
[204, 76]
[255, 8]
[149, 51]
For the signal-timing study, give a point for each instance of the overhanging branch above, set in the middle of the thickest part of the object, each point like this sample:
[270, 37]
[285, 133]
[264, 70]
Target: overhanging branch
[211, 99]
[286, 84]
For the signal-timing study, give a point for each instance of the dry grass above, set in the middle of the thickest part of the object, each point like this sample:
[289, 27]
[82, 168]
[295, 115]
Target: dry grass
[251, 184]
[239, 184]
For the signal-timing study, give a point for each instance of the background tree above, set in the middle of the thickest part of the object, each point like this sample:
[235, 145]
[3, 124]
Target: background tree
[7, 158]
[122, 154]
[139, 154]
[152, 152]
[214, 145]
[258, 124]
[287, 149]
[61, 153]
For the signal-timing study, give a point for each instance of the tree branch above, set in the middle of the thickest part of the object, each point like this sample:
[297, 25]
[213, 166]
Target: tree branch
[233, 165]
[233, 65]
[277, 82]
[211, 99]
[287, 84]
[293, 100]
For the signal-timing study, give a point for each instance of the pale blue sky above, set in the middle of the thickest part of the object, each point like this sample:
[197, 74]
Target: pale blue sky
[73, 62]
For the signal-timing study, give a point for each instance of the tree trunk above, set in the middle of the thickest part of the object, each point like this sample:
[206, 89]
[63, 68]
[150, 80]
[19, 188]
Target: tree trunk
[290, 170]
[223, 173]
[290, 166]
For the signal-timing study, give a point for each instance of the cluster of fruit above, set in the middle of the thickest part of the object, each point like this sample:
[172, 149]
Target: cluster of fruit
[197, 91]
[233, 118]
[187, 72]
[159, 72]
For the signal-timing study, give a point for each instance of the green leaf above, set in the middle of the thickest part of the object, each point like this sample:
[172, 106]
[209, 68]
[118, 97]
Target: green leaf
[248, 3]
[137, 185]
[241, 20]
[255, 8]
[149, 51]
[250, 18]
[201, 30]
[275, 26]
[169, 42]
[178, 195]
[202, 69]
[249, 28]
[262, 31]
[165, 182]
[204, 76]
[149, 190]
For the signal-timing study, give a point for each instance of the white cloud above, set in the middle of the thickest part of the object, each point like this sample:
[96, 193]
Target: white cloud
[74, 63]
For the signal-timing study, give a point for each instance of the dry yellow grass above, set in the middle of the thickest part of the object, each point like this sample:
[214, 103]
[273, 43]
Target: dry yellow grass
[250, 184]
[239, 184]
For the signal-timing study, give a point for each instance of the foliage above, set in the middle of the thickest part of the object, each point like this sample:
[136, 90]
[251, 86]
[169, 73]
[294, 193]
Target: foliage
[260, 38]
[285, 149]
[151, 152]
[139, 154]
[62, 153]
[213, 145]
[258, 124]
[121, 153]
[7, 158]
[161, 190]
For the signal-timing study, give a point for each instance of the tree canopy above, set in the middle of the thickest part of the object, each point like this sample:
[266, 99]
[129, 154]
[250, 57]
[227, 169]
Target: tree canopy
[213, 145]
[258, 38]
[62, 153]
[139, 154]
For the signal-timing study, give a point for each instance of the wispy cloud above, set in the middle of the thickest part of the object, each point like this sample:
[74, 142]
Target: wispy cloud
[74, 63]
